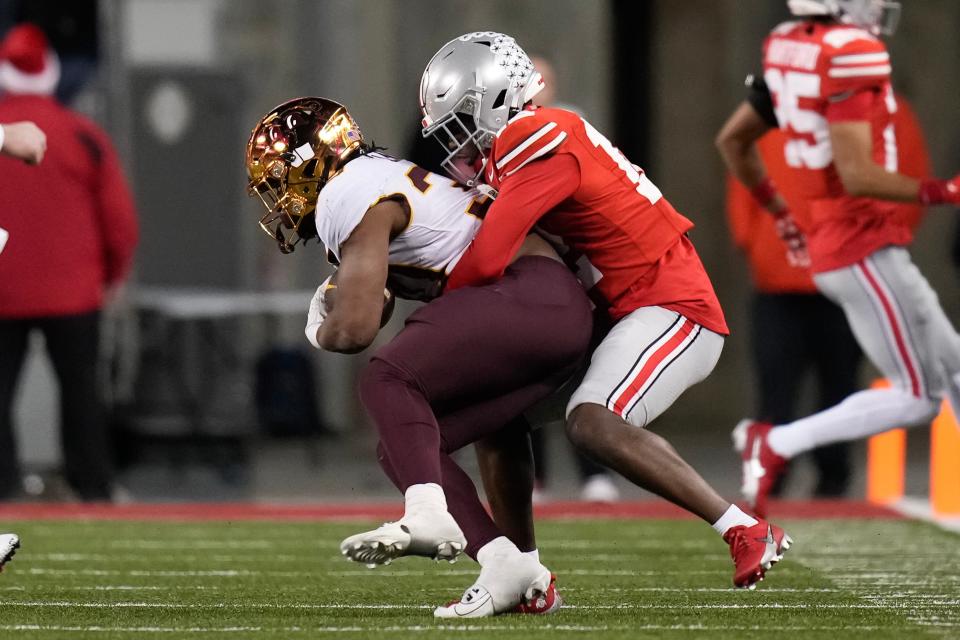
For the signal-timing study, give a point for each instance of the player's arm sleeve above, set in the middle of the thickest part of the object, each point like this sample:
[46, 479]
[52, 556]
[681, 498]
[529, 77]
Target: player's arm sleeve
[341, 209]
[354, 321]
[855, 76]
[118, 218]
[524, 198]
[758, 96]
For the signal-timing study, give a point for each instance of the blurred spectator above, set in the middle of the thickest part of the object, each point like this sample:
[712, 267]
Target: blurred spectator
[72, 29]
[24, 141]
[73, 231]
[794, 329]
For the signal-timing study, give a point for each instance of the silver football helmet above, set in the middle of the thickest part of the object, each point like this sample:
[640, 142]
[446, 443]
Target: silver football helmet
[470, 88]
[876, 16]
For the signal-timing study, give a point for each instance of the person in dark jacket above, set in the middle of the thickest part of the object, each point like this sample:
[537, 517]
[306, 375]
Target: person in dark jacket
[72, 234]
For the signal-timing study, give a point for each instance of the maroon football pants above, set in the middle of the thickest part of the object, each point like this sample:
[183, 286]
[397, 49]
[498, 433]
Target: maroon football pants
[466, 365]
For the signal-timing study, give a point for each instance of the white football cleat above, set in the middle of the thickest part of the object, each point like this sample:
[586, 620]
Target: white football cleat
[9, 543]
[476, 602]
[431, 534]
[501, 589]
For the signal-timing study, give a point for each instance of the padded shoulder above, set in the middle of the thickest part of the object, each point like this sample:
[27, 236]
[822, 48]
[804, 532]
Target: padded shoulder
[853, 60]
[530, 135]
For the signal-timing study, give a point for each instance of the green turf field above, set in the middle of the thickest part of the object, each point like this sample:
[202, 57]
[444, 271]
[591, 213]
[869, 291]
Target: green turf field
[620, 579]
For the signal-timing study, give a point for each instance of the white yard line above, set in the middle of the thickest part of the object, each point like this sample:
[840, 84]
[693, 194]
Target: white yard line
[765, 605]
[381, 573]
[463, 628]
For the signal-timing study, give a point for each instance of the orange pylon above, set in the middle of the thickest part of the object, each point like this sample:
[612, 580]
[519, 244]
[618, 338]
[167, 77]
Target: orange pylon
[886, 462]
[945, 464]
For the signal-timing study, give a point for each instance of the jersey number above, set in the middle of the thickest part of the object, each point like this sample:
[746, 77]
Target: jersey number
[787, 89]
[418, 178]
[644, 187]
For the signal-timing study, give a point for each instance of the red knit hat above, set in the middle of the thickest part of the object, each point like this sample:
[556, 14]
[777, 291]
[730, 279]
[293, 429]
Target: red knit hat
[27, 63]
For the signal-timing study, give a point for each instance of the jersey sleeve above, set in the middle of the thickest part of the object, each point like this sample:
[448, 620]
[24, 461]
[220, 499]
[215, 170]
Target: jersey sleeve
[518, 207]
[854, 61]
[525, 139]
[758, 95]
[340, 209]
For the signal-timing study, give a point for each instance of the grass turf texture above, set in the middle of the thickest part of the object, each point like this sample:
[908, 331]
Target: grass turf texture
[620, 579]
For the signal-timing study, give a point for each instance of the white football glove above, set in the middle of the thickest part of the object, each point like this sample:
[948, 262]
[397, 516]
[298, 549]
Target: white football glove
[317, 313]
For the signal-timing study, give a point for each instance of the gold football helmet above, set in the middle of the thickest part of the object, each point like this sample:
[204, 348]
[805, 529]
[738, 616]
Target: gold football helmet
[293, 152]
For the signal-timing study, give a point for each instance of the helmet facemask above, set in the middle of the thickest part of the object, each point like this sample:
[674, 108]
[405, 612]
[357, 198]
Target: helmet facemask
[463, 138]
[879, 17]
[292, 153]
[286, 209]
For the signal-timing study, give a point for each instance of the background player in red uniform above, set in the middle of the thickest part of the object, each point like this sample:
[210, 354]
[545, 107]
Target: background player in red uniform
[794, 329]
[829, 78]
[553, 170]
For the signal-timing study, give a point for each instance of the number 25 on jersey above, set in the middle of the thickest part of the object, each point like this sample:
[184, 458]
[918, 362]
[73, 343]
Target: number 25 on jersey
[801, 125]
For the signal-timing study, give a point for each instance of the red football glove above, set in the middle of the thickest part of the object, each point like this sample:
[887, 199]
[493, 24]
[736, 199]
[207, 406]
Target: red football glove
[765, 192]
[933, 191]
[796, 242]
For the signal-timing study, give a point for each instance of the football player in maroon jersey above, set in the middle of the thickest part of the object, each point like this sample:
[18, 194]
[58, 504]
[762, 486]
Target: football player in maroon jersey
[465, 366]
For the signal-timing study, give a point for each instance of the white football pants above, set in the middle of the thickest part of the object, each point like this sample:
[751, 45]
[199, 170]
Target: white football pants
[646, 361]
[897, 319]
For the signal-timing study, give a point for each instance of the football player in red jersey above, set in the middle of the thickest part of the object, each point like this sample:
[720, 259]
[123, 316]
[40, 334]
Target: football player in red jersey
[551, 169]
[827, 76]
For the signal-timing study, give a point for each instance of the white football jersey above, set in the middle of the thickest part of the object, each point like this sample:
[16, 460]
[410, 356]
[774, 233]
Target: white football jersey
[444, 218]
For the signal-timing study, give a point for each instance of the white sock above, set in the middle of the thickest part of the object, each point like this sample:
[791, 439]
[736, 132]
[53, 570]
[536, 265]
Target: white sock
[535, 554]
[732, 517]
[425, 496]
[496, 550]
[862, 414]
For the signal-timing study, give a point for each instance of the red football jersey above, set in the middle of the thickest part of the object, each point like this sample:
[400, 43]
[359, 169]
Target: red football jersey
[819, 73]
[553, 169]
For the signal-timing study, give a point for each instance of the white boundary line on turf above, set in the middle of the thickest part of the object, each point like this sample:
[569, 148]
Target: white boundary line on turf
[593, 590]
[919, 509]
[473, 628]
[361, 607]
[369, 573]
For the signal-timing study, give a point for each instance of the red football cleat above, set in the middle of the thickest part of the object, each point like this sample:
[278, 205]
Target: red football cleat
[761, 466]
[754, 550]
[547, 602]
